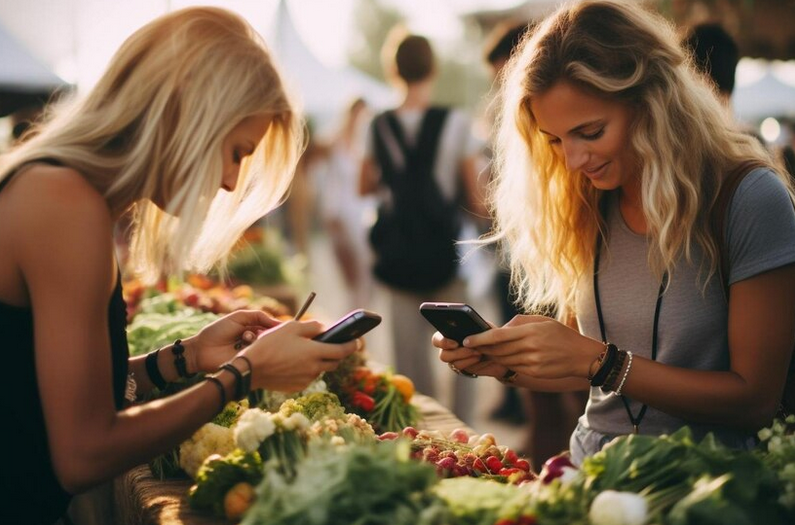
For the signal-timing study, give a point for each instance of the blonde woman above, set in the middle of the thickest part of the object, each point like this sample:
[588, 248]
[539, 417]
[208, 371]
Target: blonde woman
[611, 155]
[190, 127]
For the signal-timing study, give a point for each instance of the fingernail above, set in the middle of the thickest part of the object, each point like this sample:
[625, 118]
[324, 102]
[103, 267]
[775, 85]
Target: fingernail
[465, 342]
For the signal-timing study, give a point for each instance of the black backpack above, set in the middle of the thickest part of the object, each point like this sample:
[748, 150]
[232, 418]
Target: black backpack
[413, 238]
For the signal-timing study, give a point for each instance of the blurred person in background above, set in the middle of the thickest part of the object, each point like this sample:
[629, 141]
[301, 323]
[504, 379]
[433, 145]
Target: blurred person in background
[190, 128]
[716, 55]
[550, 416]
[628, 197]
[343, 211]
[420, 161]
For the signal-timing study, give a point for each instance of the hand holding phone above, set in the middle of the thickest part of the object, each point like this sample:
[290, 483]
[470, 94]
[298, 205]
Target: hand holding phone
[455, 321]
[352, 326]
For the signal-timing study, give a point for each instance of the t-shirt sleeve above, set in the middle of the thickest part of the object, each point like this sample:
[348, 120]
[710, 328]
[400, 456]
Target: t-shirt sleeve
[761, 229]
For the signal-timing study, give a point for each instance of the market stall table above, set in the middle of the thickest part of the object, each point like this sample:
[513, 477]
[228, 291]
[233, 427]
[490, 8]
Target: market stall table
[141, 499]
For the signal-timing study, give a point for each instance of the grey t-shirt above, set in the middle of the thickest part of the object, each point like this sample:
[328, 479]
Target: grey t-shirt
[693, 328]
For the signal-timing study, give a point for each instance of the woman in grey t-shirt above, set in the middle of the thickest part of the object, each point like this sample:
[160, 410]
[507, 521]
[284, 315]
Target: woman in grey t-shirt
[610, 157]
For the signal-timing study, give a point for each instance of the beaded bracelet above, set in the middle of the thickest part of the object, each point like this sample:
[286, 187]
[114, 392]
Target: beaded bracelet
[179, 359]
[626, 373]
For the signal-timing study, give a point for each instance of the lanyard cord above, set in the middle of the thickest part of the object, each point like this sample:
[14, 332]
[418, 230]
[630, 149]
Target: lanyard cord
[633, 419]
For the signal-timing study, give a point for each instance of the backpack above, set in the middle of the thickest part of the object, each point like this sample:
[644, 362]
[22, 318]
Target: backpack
[719, 216]
[413, 238]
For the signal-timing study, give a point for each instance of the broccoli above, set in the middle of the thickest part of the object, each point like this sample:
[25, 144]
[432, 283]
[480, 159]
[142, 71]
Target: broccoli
[218, 474]
[315, 406]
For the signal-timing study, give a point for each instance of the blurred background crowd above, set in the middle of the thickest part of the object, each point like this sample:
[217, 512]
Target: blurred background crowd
[333, 55]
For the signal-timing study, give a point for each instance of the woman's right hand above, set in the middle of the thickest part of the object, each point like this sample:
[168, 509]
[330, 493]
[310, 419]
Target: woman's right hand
[286, 359]
[466, 359]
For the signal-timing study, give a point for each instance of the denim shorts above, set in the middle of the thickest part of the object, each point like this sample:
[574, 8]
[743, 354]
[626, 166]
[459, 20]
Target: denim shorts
[586, 442]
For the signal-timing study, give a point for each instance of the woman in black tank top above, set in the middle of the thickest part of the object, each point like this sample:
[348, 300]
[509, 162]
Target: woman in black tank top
[176, 133]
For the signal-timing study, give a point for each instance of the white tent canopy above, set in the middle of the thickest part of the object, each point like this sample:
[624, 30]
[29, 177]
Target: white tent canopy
[767, 97]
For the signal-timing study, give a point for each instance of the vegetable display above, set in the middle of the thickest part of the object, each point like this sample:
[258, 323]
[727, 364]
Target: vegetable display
[348, 450]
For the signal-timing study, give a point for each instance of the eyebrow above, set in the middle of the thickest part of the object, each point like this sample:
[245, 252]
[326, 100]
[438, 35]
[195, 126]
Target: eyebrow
[577, 128]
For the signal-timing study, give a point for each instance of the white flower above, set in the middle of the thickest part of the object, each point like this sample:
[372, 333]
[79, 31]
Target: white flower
[618, 508]
[253, 427]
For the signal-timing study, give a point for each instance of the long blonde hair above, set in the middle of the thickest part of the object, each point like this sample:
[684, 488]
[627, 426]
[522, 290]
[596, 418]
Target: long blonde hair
[549, 217]
[154, 125]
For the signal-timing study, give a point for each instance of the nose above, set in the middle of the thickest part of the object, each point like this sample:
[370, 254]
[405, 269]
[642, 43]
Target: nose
[229, 181]
[575, 155]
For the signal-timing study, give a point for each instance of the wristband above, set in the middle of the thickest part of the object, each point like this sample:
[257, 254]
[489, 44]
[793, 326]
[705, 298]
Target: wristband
[179, 359]
[217, 382]
[242, 383]
[607, 365]
[153, 370]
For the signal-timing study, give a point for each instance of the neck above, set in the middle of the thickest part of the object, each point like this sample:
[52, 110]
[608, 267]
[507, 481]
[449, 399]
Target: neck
[418, 95]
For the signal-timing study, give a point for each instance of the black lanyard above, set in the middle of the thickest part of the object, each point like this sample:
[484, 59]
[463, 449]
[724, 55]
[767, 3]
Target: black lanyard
[633, 419]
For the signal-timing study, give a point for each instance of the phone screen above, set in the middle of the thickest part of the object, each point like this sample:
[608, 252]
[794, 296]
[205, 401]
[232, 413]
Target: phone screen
[455, 321]
[353, 325]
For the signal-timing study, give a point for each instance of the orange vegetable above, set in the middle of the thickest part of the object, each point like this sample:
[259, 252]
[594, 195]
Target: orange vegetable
[404, 385]
[238, 499]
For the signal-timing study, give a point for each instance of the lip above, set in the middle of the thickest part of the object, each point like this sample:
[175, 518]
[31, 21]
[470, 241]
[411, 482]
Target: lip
[597, 172]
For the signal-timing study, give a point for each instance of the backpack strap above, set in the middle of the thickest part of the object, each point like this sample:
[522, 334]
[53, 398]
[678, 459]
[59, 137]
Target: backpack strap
[719, 216]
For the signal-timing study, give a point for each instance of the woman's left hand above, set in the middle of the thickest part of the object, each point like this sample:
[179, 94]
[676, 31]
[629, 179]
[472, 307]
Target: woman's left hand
[220, 341]
[537, 346]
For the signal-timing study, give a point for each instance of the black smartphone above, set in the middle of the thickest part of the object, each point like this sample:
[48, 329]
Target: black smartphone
[355, 324]
[455, 321]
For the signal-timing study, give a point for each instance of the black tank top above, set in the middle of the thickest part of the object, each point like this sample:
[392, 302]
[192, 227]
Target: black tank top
[29, 488]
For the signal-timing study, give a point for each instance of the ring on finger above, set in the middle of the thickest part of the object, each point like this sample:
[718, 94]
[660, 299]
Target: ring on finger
[461, 372]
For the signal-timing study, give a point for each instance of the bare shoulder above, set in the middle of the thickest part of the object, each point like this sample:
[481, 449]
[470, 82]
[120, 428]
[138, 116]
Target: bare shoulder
[56, 197]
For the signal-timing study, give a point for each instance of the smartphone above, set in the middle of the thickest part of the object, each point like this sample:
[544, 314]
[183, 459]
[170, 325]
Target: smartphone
[355, 324]
[455, 321]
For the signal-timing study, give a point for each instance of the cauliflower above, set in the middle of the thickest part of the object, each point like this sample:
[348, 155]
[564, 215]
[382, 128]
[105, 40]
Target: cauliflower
[315, 406]
[252, 428]
[209, 439]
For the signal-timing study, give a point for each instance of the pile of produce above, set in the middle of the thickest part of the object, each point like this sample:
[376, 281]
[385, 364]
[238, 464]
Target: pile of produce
[460, 454]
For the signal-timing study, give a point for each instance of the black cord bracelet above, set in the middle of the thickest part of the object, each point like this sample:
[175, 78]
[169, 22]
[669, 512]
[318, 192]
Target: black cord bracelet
[607, 365]
[217, 382]
[246, 375]
[179, 359]
[153, 370]
[240, 392]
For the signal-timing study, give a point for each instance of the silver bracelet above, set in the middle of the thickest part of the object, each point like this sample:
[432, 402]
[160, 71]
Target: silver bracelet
[626, 373]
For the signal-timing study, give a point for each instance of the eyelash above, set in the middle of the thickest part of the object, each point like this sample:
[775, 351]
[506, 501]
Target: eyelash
[592, 136]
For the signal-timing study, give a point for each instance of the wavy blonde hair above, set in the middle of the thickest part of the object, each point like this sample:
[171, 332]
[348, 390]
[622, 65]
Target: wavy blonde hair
[550, 217]
[153, 127]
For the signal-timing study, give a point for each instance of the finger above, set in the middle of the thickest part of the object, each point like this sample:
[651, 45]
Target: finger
[466, 364]
[449, 356]
[497, 335]
[255, 318]
[308, 329]
[504, 349]
[337, 351]
[527, 319]
[440, 341]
